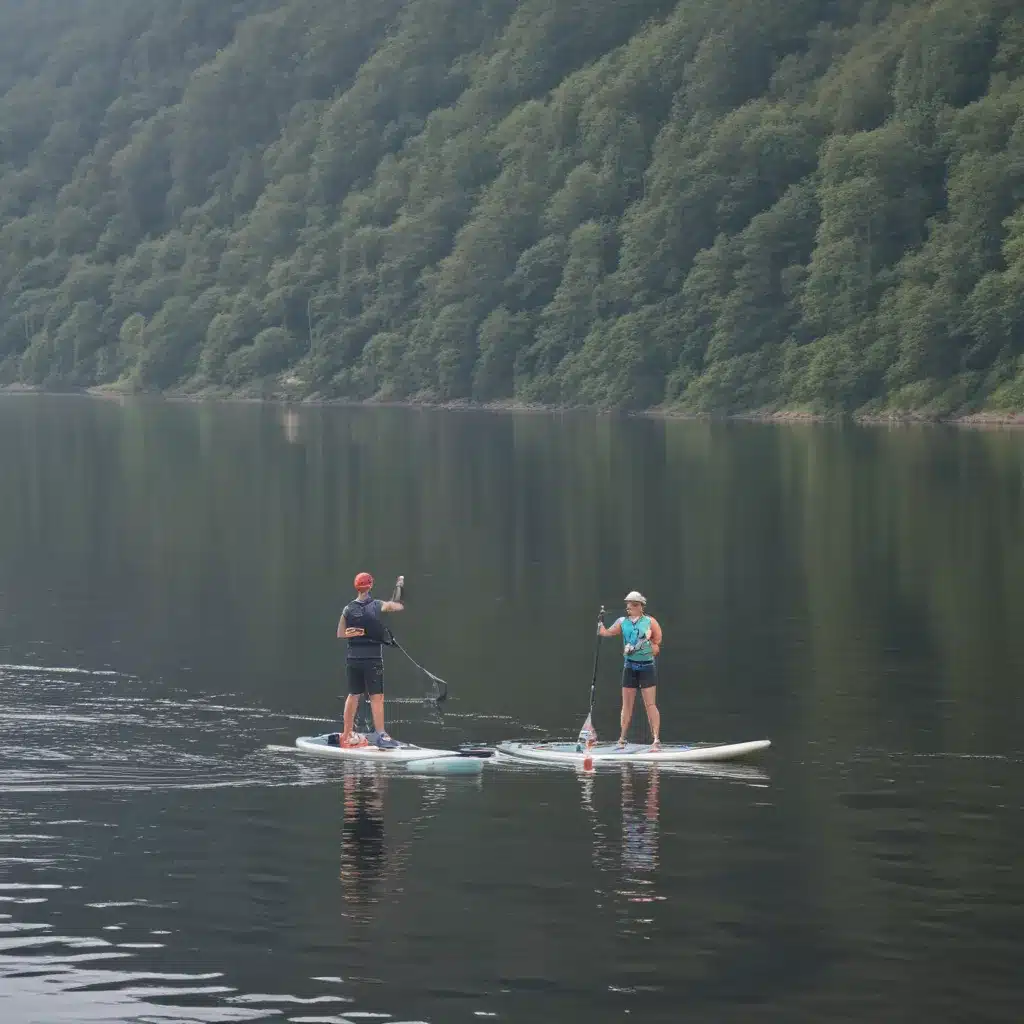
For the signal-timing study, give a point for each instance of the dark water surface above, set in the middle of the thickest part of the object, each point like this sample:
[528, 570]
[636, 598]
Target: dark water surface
[170, 581]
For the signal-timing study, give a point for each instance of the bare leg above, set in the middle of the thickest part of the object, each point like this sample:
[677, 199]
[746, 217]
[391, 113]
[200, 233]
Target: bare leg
[628, 697]
[377, 710]
[653, 714]
[351, 706]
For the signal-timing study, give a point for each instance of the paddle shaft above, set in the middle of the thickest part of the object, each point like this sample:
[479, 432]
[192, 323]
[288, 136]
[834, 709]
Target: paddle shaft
[588, 725]
[597, 654]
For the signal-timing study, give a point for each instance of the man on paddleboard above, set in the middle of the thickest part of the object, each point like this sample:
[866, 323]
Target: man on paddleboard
[360, 625]
[641, 639]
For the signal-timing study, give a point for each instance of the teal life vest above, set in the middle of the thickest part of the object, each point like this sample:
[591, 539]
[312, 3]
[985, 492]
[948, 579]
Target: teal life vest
[634, 634]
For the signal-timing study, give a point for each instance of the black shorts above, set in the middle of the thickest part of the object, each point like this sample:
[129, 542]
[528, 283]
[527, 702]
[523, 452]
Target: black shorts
[639, 678]
[365, 677]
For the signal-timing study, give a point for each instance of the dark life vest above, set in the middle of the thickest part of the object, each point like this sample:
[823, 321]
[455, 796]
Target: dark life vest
[364, 632]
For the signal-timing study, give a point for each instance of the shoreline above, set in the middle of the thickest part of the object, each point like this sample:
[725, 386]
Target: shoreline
[977, 420]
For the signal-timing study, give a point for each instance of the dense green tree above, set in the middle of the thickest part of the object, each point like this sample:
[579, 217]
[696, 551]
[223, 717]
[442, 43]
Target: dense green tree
[717, 207]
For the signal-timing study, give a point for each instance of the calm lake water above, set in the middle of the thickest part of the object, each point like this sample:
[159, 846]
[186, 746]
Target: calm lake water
[171, 577]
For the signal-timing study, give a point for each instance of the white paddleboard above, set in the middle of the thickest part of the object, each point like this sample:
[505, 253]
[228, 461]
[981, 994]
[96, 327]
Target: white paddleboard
[636, 753]
[371, 752]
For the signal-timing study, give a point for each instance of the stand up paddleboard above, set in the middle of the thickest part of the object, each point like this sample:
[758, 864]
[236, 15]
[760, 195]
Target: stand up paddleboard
[414, 757]
[635, 753]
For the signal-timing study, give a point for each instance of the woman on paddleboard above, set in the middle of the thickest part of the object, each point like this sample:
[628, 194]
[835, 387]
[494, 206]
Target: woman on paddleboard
[360, 625]
[641, 639]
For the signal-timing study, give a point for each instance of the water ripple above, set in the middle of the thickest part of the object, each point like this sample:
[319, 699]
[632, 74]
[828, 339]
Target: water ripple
[68, 731]
[72, 730]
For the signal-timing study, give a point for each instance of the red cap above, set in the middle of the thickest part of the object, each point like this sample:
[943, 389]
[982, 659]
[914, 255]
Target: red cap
[364, 581]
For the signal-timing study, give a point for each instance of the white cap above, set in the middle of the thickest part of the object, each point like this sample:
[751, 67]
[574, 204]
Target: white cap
[635, 595]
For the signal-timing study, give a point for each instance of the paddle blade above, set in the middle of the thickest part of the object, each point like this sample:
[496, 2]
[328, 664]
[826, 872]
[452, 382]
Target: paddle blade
[587, 737]
[432, 686]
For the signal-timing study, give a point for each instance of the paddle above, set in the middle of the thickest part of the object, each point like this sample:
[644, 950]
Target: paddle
[587, 734]
[439, 684]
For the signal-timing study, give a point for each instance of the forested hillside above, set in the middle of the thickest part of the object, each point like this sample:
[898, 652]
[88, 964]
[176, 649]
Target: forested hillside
[712, 205]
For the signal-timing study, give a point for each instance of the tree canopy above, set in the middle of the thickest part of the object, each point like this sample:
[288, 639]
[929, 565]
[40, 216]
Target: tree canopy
[721, 206]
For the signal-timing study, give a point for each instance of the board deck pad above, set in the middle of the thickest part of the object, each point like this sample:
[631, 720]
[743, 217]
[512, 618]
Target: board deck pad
[637, 753]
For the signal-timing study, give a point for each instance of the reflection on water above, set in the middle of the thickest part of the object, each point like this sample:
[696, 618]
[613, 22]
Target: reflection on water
[79, 941]
[166, 856]
[626, 846]
[66, 958]
[639, 828]
[378, 841]
[626, 850]
[364, 850]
